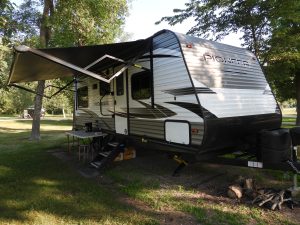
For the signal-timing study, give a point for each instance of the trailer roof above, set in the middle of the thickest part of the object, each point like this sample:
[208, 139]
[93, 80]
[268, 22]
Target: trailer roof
[31, 64]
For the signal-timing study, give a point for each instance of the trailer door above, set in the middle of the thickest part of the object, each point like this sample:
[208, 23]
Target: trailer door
[121, 104]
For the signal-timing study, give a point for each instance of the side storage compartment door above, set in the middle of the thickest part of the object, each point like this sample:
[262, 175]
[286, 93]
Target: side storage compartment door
[178, 131]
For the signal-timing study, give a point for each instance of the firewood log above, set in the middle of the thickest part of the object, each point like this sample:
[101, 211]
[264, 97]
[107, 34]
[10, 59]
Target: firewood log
[235, 191]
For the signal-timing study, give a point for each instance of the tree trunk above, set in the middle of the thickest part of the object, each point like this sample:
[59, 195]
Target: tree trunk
[297, 83]
[45, 31]
[38, 102]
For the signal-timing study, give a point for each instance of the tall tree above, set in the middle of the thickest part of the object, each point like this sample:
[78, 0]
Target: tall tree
[45, 32]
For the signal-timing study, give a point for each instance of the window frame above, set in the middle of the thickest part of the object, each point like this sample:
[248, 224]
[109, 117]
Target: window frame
[141, 76]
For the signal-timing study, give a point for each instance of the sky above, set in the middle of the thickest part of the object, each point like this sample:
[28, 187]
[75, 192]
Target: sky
[144, 13]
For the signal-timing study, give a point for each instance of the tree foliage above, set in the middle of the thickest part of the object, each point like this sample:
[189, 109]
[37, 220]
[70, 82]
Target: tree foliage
[217, 18]
[284, 54]
[72, 23]
[283, 68]
[8, 25]
[60, 102]
[87, 22]
[14, 101]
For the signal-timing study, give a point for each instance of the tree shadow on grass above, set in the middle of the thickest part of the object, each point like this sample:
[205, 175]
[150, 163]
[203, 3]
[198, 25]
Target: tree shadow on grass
[38, 188]
[12, 130]
[62, 122]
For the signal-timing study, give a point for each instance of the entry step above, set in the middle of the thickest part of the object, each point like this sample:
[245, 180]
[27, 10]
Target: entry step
[96, 164]
[105, 154]
[113, 144]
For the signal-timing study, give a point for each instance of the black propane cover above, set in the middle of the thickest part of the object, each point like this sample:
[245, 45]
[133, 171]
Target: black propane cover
[295, 135]
[275, 145]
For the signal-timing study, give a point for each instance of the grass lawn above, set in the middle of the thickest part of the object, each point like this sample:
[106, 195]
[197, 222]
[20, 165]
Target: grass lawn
[205, 201]
[38, 188]
[289, 119]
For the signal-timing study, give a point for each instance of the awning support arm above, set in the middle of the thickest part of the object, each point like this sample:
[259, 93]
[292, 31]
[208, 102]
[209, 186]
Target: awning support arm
[29, 90]
[127, 65]
[63, 88]
[46, 96]
[116, 59]
[57, 87]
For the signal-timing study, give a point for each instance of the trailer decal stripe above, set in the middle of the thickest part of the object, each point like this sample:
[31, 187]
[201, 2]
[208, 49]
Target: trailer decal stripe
[189, 91]
[148, 112]
[195, 109]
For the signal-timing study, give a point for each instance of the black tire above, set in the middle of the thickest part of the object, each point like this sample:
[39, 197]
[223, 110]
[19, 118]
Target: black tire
[274, 156]
[275, 139]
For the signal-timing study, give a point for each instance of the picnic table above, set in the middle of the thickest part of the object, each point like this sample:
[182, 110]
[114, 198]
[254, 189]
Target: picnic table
[84, 141]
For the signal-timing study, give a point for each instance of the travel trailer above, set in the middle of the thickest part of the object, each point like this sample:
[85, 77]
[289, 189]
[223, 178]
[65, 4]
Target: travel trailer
[176, 92]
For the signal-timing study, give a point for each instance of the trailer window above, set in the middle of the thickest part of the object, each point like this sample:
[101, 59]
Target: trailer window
[83, 97]
[120, 85]
[104, 88]
[141, 85]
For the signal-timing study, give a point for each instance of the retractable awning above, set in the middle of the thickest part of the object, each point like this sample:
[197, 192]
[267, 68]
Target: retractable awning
[44, 64]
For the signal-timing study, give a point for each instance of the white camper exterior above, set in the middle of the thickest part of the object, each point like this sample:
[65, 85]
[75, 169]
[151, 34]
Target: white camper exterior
[190, 93]
[172, 90]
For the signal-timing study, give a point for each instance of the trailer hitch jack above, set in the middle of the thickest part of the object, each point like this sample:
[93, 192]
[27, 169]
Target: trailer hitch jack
[182, 163]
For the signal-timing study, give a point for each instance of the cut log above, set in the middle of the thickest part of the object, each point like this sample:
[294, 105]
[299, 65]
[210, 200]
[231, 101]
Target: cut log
[249, 184]
[235, 192]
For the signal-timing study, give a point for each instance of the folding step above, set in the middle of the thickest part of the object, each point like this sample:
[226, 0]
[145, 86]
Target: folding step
[105, 154]
[113, 144]
[104, 158]
[96, 164]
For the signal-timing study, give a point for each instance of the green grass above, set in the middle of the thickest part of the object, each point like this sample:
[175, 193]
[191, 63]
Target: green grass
[288, 122]
[37, 188]
[161, 195]
[289, 119]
